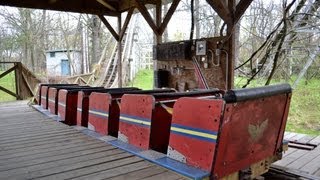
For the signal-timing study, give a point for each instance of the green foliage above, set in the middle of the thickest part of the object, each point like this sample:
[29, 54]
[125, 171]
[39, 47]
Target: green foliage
[143, 79]
[8, 83]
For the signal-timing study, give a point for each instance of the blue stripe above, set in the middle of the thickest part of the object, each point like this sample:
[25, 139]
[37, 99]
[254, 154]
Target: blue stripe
[193, 136]
[135, 117]
[133, 123]
[195, 129]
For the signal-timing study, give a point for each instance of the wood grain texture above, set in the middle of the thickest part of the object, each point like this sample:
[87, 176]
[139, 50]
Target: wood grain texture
[32, 146]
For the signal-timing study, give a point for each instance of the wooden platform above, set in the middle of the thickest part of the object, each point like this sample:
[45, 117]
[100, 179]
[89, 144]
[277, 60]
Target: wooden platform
[35, 147]
[298, 160]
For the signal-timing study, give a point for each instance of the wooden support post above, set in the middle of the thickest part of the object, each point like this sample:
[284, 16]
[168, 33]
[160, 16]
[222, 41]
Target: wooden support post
[119, 54]
[109, 27]
[158, 20]
[17, 80]
[231, 44]
[125, 24]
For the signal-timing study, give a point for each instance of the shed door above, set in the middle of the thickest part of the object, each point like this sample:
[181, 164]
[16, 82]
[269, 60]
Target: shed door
[65, 67]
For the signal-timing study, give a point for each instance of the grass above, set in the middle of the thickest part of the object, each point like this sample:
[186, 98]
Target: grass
[143, 79]
[8, 83]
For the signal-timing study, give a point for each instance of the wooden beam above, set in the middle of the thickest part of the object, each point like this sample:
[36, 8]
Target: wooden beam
[107, 5]
[27, 84]
[241, 8]
[168, 16]
[8, 71]
[126, 22]
[158, 17]
[222, 9]
[110, 28]
[144, 11]
[8, 92]
[232, 46]
[119, 63]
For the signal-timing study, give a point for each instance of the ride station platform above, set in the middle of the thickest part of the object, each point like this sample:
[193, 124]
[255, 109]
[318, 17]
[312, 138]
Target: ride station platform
[34, 146]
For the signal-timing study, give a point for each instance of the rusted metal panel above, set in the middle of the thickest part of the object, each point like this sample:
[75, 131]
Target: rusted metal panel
[249, 133]
[135, 119]
[194, 131]
[99, 104]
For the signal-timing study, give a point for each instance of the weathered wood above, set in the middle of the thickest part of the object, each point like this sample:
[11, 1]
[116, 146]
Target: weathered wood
[297, 137]
[107, 5]
[125, 24]
[144, 12]
[222, 9]
[78, 170]
[33, 146]
[315, 141]
[119, 55]
[305, 159]
[8, 71]
[8, 92]
[291, 158]
[287, 137]
[27, 84]
[109, 27]
[143, 173]
[168, 16]
[241, 7]
[163, 176]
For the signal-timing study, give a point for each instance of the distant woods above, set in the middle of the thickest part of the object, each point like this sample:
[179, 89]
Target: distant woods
[26, 35]
[277, 39]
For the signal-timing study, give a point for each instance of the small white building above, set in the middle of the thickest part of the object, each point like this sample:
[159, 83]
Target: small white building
[58, 63]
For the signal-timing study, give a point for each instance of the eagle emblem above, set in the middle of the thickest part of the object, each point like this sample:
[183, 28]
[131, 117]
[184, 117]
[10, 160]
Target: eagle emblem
[256, 131]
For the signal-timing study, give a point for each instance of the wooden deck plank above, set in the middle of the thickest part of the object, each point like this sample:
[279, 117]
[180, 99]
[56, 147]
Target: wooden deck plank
[143, 173]
[44, 137]
[41, 164]
[35, 146]
[306, 139]
[317, 173]
[305, 159]
[38, 142]
[85, 168]
[315, 141]
[50, 153]
[117, 171]
[289, 135]
[291, 158]
[35, 134]
[313, 166]
[163, 176]
[62, 144]
[290, 151]
[297, 137]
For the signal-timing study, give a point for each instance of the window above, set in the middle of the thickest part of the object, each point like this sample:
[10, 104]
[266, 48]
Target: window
[52, 54]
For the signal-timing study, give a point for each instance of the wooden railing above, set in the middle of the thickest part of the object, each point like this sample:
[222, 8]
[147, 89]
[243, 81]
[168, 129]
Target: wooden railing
[25, 81]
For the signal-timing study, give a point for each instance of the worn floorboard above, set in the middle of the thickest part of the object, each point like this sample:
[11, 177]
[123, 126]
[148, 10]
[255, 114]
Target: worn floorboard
[307, 161]
[33, 146]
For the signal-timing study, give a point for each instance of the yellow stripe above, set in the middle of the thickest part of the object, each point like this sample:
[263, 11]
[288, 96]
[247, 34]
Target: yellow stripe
[196, 133]
[135, 121]
[62, 104]
[79, 109]
[53, 101]
[98, 113]
[43, 97]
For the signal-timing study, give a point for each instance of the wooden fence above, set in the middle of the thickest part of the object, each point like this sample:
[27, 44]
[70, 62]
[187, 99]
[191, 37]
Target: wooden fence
[25, 81]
